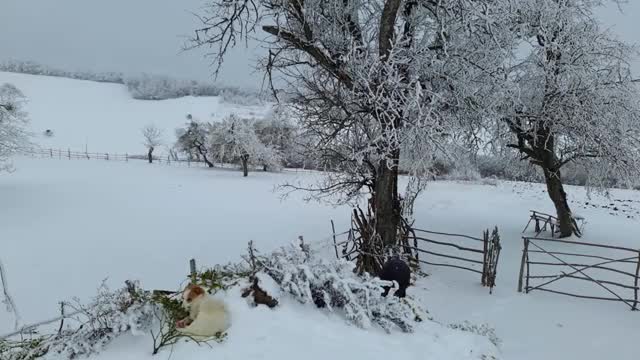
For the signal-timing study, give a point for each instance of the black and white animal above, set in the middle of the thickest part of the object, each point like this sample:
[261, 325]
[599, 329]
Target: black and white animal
[396, 270]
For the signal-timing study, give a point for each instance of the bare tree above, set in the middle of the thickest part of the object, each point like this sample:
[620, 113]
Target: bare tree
[152, 139]
[365, 77]
[13, 121]
[572, 101]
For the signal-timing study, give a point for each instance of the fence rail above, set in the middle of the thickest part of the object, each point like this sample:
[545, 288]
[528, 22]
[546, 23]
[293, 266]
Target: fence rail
[623, 271]
[82, 155]
[450, 250]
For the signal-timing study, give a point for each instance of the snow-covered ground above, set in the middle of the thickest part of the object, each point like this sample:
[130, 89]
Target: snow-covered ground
[102, 117]
[67, 224]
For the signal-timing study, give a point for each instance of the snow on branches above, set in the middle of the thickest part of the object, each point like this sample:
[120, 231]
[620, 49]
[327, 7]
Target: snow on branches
[333, 284]
[369, 81]
[234, 140]
[13, 120]
[95, 324]
[572, 97]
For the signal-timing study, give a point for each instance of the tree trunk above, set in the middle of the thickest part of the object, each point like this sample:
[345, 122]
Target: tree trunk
[150, 154]
[386, 204]
[245, 165]
[555, 189]
[204, 156]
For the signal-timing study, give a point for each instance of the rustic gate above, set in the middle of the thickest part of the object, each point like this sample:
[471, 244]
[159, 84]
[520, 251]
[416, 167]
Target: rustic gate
[615, 274]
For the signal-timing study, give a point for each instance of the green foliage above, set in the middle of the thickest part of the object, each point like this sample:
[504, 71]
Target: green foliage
[172, 307]
[222, 277]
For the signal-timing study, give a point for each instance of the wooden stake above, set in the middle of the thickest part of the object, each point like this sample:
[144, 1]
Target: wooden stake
[635, 291]
[335, 243]
[524, 257]
[192, 270]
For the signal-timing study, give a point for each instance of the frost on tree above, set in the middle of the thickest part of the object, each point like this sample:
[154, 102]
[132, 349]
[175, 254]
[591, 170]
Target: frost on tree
[152, 139]
[366, 78]
[13, 119]
[192, 140]
[572, 100]
[234, 140]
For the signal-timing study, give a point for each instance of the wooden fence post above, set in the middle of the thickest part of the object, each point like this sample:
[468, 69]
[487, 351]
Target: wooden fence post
[485, 253]
[636, 283]
[106, 155]
[69, 153]
[62, 315]
[126, 157]
[192, 270]
[335, 243]
[525, 256]
[51, 152]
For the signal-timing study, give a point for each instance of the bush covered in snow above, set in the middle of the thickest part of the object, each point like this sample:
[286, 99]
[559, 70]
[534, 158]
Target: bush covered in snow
[109, 315]
[334, 285]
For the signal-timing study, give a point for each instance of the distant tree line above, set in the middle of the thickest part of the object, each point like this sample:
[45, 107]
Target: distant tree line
[144, 86]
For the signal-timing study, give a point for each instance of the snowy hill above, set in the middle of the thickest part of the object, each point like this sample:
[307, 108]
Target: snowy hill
[104, 117]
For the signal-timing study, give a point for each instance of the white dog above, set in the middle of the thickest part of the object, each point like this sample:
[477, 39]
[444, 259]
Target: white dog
[208, 316]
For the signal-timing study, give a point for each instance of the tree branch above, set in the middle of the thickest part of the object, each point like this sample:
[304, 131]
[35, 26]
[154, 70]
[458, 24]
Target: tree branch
[313, 51]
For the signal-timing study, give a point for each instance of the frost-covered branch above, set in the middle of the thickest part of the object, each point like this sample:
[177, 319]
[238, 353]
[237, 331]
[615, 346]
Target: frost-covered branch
[8, 300]
[13, 121]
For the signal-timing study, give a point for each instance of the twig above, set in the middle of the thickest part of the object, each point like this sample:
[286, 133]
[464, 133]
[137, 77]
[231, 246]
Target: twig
[11, 305]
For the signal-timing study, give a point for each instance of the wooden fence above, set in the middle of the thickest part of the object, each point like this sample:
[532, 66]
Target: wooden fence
[469, 253]
[79, 155]
[546, 222]
[612, 270]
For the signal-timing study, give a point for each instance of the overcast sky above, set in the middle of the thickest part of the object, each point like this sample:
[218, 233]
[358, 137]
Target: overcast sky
[134, 36]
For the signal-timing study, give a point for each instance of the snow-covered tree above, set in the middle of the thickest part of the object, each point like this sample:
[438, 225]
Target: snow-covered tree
[366, 78]
[234, 140]
[571, 100]
[278, 130]
[152, 139]
[192, 140]
[13, 120]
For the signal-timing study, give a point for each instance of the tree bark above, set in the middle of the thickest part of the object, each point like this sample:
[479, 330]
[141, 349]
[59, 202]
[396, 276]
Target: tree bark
[556, 192]
[150, 154]
[204, 157]
[386, 204]
[245, 165]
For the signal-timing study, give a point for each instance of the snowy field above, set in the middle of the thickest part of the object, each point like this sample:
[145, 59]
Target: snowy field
[65, 225]
[104, 118]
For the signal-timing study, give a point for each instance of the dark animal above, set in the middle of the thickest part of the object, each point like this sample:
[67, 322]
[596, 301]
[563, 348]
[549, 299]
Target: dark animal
[398, 271]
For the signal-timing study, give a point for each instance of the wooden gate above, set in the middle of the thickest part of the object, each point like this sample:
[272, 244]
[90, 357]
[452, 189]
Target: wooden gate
[611, 270]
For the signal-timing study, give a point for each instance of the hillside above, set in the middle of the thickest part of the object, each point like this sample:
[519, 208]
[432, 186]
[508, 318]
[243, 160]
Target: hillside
[103, 117]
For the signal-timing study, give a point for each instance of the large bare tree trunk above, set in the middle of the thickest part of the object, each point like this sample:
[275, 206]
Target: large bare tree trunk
[150, 154]
[386, 204]
[555, 189]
